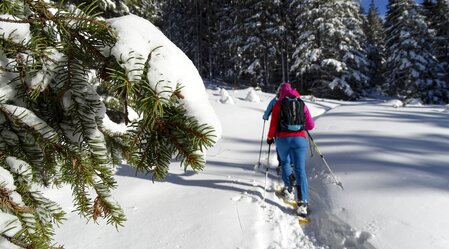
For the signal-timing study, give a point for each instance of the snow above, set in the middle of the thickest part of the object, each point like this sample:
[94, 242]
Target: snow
[9, 137]
[31, 120]
[395, 103]
[391, 161]
[6, 91]
[18, 166]
[414, 102]
[337, 65]
[9, 224]
[225, 98]
[168, 65]
[396, 175]
[6, 179]
[252, 96]
[314, 54]
[44, 76]
[18, 32]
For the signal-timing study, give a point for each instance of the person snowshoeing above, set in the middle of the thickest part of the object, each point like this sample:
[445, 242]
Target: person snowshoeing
[291, 142]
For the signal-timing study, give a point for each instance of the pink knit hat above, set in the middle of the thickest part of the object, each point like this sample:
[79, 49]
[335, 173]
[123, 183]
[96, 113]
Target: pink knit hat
[286, 90]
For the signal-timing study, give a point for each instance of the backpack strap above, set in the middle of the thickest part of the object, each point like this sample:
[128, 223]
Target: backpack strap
[302, 115]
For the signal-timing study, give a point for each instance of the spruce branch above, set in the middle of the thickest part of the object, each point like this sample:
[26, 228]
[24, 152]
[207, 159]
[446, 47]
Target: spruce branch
[7, 203]
[67, 143]
[8, 70]
[9, 6]
[17, 242]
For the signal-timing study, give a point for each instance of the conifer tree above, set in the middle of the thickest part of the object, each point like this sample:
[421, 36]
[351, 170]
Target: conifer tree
[427, 9]
[53, 86]
[289, 14]
[259, 25]
[211, 65]
[172, 24]
[148, 9]
[106, 8]
[224, 21]
[438, 19]
[412, 70]
[278, 31]
[256, 36]
[330, 55]
[238, 33]
[375, 39]
[192, 25]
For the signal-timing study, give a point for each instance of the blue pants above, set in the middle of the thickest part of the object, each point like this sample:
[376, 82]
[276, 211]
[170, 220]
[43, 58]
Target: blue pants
[296, 147]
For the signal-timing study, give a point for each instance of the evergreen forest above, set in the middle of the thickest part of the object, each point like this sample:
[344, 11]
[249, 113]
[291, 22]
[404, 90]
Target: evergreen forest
[60, 84]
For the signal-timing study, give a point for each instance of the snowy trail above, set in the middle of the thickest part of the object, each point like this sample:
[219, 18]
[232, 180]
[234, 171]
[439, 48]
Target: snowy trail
[221, 207]
[393, 164]
[278, 228]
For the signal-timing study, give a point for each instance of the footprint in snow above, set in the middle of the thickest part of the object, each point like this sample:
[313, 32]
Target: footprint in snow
[245, 197]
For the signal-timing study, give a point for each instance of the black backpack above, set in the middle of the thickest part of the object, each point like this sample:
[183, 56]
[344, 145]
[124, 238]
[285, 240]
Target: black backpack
[291, 117]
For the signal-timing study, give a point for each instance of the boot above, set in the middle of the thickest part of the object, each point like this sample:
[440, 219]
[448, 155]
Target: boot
[303, 209]
[287, 194]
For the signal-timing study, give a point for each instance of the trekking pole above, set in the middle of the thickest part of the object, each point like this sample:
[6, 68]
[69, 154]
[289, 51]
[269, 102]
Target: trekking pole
[261, 141]
[324, 160]
[266, 173]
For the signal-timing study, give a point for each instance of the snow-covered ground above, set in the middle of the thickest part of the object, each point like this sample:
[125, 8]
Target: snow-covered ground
[393, 162]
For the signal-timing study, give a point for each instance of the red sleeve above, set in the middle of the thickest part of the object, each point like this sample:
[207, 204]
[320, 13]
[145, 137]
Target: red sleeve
[274, 120]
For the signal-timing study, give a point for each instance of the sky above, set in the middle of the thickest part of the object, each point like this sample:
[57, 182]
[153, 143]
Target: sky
[381, 5]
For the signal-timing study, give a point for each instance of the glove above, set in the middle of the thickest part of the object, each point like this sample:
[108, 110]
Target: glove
[270, 141]
[264, 117]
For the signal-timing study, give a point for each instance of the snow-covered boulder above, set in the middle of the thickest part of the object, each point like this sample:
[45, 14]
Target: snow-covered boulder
[446, 108]
[252, 96]
[225, 97]
[310, 98]
[395, 103]
[414, 102]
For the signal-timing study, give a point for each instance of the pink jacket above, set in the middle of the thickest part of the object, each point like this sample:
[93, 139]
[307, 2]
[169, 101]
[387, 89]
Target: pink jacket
[287, 90]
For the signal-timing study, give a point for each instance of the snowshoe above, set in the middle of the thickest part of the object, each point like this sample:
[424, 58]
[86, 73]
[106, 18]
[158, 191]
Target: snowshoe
[287, 196]
[303, 211]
